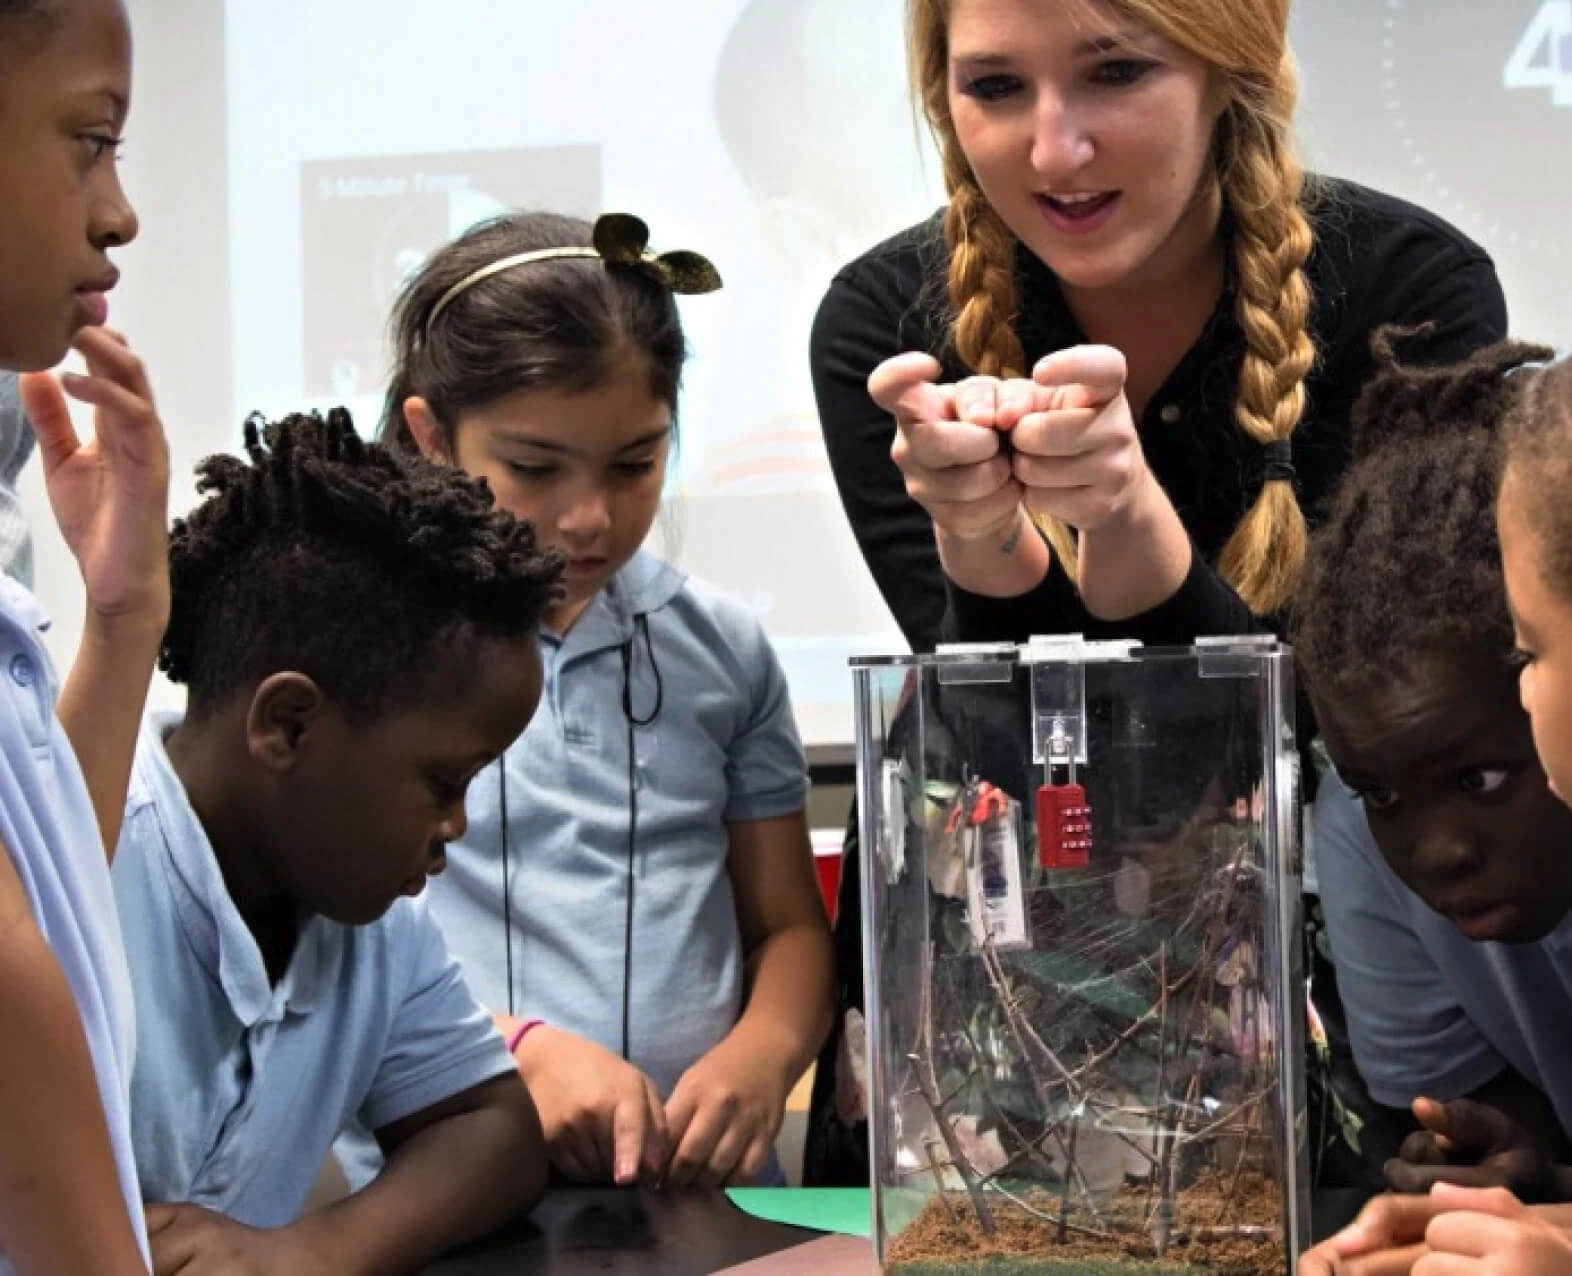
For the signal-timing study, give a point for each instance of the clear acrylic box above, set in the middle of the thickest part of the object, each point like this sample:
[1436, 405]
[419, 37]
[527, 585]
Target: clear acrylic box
[1084, 988]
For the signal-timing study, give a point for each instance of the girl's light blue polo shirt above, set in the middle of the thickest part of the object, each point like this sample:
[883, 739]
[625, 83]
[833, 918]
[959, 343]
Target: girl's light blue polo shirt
[48, 825]
[723, 746]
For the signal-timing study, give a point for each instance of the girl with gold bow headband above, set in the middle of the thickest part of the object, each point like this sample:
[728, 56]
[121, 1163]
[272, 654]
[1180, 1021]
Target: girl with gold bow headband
[635, 895]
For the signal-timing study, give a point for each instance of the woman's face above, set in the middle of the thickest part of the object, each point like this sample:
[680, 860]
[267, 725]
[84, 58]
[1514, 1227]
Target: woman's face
[1091, 138]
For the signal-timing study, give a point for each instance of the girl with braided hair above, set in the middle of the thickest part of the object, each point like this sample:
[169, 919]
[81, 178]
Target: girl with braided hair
[1181, 316]
[1115, 371]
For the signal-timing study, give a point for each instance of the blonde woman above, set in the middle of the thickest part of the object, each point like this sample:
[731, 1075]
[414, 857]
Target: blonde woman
[1130, 244]
[1115, 371]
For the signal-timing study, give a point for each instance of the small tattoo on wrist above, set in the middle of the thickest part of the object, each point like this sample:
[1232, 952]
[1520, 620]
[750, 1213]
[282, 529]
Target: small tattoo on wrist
[1014, 538]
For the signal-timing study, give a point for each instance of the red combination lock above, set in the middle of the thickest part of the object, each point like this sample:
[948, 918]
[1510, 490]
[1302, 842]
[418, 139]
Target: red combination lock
[1064, 826]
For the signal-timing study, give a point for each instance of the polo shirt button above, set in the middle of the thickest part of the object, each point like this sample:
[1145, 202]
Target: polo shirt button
[21, 671]
[1171, 414]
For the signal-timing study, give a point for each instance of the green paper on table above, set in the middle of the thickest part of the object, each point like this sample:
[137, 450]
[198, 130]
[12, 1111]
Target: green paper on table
[827, 1209]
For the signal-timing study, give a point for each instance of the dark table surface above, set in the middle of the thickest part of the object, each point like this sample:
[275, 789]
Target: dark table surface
[578, 1231]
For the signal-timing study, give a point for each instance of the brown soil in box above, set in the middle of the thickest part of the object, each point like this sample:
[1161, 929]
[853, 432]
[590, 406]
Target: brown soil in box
[945, 1237]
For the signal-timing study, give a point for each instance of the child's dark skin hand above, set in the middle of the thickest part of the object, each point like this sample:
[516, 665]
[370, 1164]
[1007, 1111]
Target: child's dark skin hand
[111, 493]
[1472, 1144]
[192, 1241]
[110, 496]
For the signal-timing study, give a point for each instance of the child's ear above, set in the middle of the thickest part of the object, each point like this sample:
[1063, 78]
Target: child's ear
[282, 711]
[426, 430]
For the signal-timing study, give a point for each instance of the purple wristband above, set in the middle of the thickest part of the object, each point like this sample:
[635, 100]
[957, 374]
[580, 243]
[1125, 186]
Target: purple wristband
[520, 1031]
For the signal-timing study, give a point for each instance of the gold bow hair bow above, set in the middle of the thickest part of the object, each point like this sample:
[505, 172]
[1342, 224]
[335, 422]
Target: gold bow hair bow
[618, 239]
[623, 240]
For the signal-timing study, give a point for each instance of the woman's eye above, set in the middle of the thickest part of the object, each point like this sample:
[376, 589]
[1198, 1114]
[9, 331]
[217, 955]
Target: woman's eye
[991, 88]
[1121, 72]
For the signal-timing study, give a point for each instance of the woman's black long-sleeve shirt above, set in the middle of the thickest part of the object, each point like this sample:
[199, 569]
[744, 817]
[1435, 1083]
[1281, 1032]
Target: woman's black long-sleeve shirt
[1377, 260]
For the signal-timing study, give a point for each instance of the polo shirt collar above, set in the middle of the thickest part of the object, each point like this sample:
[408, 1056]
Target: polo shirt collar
[219, 937]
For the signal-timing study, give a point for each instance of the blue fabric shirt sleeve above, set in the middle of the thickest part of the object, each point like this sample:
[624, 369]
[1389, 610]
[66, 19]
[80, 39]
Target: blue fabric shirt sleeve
[766, 768]
[16, 444]
[1410, 1033]
[442, 1042]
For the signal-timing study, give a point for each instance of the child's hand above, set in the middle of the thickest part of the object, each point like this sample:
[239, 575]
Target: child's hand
[192, 1241]
[602, 1117]
[111, 494]
[724, 1116]
[1474, 1145]
[1385, 1240]
[1491, 1233]
[1077, 455]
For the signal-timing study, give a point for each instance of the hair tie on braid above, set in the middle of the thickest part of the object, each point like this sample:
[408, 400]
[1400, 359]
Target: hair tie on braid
[1279, 458]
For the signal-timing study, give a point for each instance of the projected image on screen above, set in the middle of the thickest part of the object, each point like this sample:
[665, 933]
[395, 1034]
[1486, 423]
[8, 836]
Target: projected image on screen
[778, 138]
[818, 193]
[368, 224]
[1543, 57]
[1516, 73]
[774, 136]
[821, 193]
[1463, 107]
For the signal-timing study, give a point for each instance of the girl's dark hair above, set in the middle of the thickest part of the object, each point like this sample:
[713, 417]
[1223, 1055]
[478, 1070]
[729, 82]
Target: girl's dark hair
[564, 324]
[1539, 452]
[1407, 564]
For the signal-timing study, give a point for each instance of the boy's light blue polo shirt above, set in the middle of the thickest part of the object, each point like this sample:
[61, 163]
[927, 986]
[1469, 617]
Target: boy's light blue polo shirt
[723, 747]
[48, 825]
[1430, 1011]
[240, 1086]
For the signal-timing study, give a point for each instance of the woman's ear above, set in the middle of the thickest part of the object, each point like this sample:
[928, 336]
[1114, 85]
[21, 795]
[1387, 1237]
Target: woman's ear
[426, 430]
